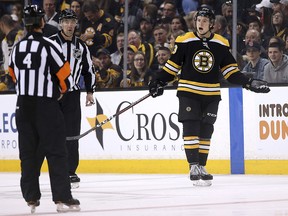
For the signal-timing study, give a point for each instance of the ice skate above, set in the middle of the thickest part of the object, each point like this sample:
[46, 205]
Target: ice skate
[206, 178]
[71, 205]
[74, 180]
[194, 173]
[33, 205]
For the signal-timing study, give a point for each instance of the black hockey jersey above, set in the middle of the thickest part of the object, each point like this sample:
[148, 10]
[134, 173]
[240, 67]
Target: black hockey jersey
[199, 62]
[102, 29]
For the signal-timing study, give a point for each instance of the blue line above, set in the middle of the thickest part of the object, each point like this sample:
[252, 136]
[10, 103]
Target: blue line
[236, 131]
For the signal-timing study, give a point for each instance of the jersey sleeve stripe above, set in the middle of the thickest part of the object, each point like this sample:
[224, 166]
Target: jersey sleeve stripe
[227, 75]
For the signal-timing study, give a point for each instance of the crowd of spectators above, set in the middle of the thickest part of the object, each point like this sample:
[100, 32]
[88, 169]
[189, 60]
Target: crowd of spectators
[153, 26]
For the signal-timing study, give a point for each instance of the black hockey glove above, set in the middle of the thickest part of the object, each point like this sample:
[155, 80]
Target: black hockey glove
[258, 86]
[156, 87]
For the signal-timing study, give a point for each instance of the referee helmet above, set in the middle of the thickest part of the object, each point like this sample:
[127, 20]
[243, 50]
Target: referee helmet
[67, 14]
[33, 15]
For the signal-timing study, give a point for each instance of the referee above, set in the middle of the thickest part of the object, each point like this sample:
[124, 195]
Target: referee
[78, 55]
[42, 75]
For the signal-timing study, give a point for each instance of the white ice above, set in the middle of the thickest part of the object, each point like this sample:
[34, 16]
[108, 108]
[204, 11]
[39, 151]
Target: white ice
[157, 195]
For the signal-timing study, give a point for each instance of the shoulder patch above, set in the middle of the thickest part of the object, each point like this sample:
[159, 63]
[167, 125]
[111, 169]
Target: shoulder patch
[221, 40]
[185, 37]
[108, 19]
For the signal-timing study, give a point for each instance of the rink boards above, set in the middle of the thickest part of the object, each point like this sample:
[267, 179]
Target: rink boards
[249, 135]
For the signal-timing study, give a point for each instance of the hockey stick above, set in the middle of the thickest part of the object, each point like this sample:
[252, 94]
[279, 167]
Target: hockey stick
[109, 119]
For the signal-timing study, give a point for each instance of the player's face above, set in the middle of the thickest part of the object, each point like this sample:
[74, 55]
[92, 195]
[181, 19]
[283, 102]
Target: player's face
[203, 24]
[68, 26]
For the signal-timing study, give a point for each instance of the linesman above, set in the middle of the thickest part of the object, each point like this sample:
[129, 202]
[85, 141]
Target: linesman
[42, 75]
[78, 55]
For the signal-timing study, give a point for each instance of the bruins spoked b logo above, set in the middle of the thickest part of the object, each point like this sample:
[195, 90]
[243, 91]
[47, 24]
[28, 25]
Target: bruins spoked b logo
[203, 61]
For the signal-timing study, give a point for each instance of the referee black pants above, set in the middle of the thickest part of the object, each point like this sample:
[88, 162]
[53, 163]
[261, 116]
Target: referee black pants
[41, 130]
[71, 108]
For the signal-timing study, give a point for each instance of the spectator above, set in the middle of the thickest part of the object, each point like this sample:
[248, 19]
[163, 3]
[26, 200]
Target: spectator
[135, 14]
[220, 27]
[134, 39]
[150, 11]
[51, 16]
[276, 39]
[255, 66]
[241, 31]
[131, 50]
[13, 34]
[97, 27]
[172, 37]
[276, 5]
[146, 30]
[253, 22]
[227, 11]
[140, 73]
[163, 55]
[279, 24]
[161, 36]
[17, 11]
[76, 6]
[190, 20]
[255, 36]
[108, 75]
[276, 71]
[117, 55]
[169, 10]
[178, 23]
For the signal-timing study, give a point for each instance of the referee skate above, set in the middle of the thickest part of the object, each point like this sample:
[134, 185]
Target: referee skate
[72, 205]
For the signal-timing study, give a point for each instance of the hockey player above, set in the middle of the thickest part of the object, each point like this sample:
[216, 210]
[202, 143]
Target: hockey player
[200, 55]
[42, 75]
[78, 55]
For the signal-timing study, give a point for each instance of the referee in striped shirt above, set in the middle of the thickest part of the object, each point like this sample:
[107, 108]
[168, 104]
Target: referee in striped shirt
[42, 75]
[78, 55]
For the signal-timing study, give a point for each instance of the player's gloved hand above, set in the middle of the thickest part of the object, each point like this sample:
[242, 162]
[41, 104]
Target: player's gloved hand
[258, 86]
[156, 87]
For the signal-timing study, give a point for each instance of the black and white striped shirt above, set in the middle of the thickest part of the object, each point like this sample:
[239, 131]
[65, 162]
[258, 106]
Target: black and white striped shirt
[78, 55]
[38, 67]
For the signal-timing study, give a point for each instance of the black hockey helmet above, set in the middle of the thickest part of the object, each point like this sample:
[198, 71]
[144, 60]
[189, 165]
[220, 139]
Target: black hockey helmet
[206, 12]
[33, 15]
[67, 14]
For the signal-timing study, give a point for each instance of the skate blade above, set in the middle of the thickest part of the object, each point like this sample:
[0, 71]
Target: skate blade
[33, 209]
[64, 208]
[75, 185]
[33, 206]
[202, 183]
